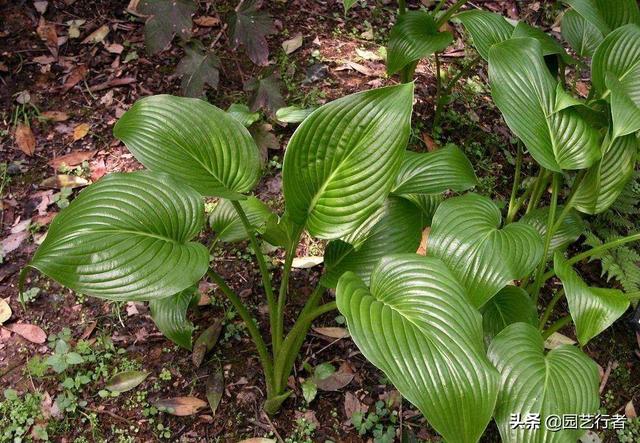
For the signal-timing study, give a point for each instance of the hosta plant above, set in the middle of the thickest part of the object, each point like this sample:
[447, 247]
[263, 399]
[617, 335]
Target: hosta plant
[460, 331]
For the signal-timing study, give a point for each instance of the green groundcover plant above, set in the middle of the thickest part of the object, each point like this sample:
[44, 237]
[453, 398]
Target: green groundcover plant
[460, 332]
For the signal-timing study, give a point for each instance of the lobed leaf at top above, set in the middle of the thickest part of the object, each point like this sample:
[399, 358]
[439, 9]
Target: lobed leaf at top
[198, 68]
[592, 309]
[435, 172]
[193, 141]
[414, 36]
[605, 180]
[583, 36]
[166, 19]
[607, 15]
[342, 160]
[564, 381]
[127, 237]
[265, 93]
[525, 92]
[249, 27]
[466, 235]
[415, 324]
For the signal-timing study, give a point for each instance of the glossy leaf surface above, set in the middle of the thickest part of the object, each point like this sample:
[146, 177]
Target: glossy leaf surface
[486, 29]
[394, 228]
[342, 160]
[466, 235]
[525, 92]
[564, 381]
[416, 325]
[606, 179]
[434, 172]
[592, 309]
[414, 36]
[127, 237]
[511, 305]
[569, 231]
[170, 316]
[607, 15]
[619, 55]
[192, 141]
[226, 223]
[583, 36]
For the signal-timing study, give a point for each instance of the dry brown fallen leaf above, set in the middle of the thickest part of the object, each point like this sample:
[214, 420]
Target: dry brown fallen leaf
[33, 333]
[64, 181]
[206, 21]
[429, 142]
[74, 77]
[80, 131]
[422, 249]
[114, 48]
[12, 242]
[47, 33]
[630, 411]
[25, 139]
[98, 169]
[72, 159]
[56, 116]
[180, 406]
[5, 311]
[338, 380]
[332, 332]
[97, 36]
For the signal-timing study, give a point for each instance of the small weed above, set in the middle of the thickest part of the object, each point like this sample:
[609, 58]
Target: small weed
[381, 424]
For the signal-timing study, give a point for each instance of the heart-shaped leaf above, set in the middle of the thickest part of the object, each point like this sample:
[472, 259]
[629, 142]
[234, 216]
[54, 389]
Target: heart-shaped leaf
[394, 228]
[170, 316]
[606, 179]
[192, 141]
[525, 91]
[583, 36]
[414, 36]
[486, 29]
[619, 55]
[592, 309]
[127, 237]
[435, 172]
[416, 325]
[226, 223]
[607, 15]
[166, 19]
[466, 235]
[342, 160]
[564, 381]
[569, 231]
[511, 305]
[126, 381]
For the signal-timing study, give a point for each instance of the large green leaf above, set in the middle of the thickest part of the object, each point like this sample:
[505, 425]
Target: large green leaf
[625, 112]
[592, 309]
[606, 179]
[427, 203]
[569, 231]
[170, 316]
[416, 325]
[564, 381]
[434, 172]
[525, 92]
[127, 237]
[607, 15]
[394, 228]
[226, 223]
[548, 44]
[342, 160]
[192, 141]
[414, 36]
[511, 305]
[486, 29]
[619, 54]
[466, 235]
[583, 36]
